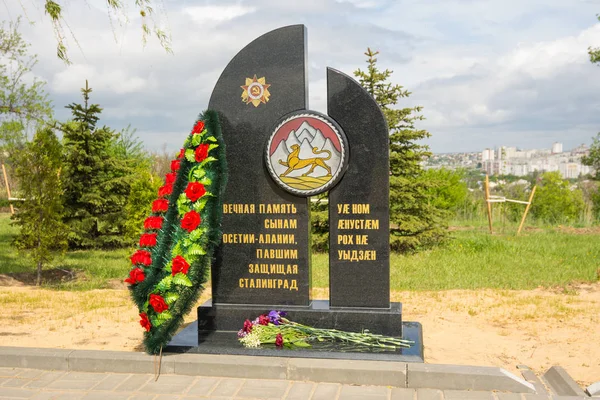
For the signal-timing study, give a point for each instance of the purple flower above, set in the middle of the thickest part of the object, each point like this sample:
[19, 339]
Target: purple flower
[274, 317]
[241, 333]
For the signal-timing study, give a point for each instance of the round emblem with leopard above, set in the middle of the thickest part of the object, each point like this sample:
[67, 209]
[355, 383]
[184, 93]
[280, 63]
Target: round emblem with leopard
[307, 153]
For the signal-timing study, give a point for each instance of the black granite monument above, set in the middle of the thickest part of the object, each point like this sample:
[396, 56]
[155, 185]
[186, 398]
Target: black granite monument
[279, 153]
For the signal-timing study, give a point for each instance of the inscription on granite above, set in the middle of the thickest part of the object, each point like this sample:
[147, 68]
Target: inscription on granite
[264, 257]
[359, 268]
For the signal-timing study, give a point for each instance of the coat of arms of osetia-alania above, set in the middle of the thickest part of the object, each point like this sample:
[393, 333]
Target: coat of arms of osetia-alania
[307, 153]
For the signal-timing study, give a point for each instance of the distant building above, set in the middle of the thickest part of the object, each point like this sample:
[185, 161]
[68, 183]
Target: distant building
[557, 148]
[512, 161]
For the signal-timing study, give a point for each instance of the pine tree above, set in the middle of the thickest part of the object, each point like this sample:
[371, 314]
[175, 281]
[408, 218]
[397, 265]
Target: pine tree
[97, 179]
[38, 168]
[415, 221]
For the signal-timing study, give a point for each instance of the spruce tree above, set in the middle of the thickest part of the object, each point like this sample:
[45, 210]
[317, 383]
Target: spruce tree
[415, 221]
[38, 168]
[97, 180]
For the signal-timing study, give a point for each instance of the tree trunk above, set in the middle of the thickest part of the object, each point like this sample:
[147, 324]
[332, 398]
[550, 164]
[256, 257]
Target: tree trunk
[39, 273]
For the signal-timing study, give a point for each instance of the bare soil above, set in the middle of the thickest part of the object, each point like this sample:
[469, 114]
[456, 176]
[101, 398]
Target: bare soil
[539, 328]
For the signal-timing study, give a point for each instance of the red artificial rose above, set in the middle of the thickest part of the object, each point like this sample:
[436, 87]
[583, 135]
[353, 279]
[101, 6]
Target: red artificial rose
[165, 190]
[181, 153]
[145, 322]
[141, 257]
[148, 240]
[175, 164]
[190, 220]
[180, 265]
[247, 326]
[160, 205]
[135, 275]
[199, 127]
[195, 190]
[170, 178]
[201, 152]
[279, 340]
[158, 303]
[153, 223]
[263, 320]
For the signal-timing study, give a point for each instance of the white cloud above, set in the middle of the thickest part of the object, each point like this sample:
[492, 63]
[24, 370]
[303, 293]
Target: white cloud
[216, 13]
[486, 71]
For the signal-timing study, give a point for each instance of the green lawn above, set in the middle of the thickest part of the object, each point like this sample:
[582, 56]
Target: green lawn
[470, 260]
[93, 268]
[475, 259]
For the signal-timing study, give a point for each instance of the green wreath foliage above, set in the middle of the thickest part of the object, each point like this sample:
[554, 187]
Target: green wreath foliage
[172, 263]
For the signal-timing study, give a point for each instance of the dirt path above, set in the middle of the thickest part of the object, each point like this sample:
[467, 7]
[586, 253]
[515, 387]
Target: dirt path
[538, 328]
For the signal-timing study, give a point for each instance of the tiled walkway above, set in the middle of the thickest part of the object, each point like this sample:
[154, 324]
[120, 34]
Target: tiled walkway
[18, 383]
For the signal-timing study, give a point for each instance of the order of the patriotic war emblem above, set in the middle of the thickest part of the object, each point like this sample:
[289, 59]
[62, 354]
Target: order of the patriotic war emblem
[255, 91]
[307, 153]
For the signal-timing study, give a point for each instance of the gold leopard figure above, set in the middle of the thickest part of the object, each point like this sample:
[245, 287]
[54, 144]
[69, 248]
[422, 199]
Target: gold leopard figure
[294, 162]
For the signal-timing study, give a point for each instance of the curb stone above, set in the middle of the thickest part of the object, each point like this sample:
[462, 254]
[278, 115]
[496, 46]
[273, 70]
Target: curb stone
[594, 389]
[561, 383]
[459, 377]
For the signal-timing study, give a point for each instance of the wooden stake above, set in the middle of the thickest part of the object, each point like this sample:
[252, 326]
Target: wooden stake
[526, 210]
[12, 209]
[487, 201]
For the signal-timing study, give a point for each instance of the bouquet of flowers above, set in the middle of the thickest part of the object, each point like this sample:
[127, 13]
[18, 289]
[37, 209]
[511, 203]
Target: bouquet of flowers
[275, 328]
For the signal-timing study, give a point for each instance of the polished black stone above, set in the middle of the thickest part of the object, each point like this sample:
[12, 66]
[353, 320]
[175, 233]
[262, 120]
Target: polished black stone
[280, 57]
[361, 197]
[225, 342]
[225, 317]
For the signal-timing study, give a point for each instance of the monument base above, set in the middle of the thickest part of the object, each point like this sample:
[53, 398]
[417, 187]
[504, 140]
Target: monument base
[215, 332]
[231, 317]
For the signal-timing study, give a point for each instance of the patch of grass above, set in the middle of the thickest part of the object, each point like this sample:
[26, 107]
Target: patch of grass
[476, 259]
[84, 270]
[472, 259]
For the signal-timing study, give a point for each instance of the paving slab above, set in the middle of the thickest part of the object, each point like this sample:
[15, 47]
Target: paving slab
[227, 387]
[379, 373]
[168, 384]
[467, 395]
[403, 394]
[462, 377]
[300, 391]
[111, 381]
[263, 389]
[509, 396]
[202, 386]
[561, 383]
[429, 394]
[326, 391]
[105, 396]
[45, 379]
[38, 358]
[133, 383]
[364, 393]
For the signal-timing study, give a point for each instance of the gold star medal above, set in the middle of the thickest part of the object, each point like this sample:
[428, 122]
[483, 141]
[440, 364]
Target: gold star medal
[255, 91]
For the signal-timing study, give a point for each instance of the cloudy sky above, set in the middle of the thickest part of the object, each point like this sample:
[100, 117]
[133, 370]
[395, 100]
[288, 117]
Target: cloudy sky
[487, 72]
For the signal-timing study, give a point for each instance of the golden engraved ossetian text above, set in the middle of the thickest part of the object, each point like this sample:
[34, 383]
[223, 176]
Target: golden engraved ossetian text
[358, 224]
